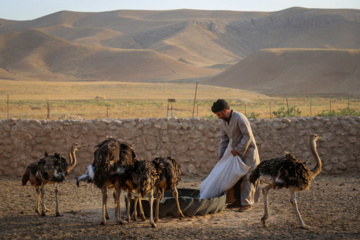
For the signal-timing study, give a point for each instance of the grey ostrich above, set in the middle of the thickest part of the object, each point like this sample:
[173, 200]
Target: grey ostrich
[52, 169]
[110, 155]
[287, 172]
[143, 179]
[170, 175]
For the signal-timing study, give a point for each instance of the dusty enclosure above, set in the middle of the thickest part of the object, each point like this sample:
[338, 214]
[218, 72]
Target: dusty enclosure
[331, 206]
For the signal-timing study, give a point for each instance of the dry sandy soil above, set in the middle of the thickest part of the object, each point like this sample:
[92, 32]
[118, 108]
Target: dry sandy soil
[331, 207]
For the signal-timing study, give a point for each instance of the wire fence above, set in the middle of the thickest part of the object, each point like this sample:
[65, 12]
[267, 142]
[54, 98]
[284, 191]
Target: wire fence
[119, 108]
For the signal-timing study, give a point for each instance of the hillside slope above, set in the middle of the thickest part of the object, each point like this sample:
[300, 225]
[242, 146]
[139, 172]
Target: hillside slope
[295, 71]
[203, 38]
[34, 55]
[187, 45]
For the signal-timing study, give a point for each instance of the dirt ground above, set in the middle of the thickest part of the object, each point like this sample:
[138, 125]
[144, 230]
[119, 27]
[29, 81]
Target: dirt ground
[331, 206]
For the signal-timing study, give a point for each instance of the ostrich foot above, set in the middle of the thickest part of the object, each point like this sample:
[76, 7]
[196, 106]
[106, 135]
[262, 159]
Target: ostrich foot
[134, 217]
[181, 215]
[43, 214]
[102, 223]
[153, 225]
[122, 222]
[142, 216]
[263, 221]
[127, 219]
[155, 220]
[37, 211]
[307, 227]
[58, 214]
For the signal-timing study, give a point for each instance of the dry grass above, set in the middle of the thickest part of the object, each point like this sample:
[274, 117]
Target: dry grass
[111, 99]
[136, 100]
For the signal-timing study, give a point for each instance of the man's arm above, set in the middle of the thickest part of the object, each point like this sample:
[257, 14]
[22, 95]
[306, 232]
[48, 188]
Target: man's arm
[245, 129]
[224, 140]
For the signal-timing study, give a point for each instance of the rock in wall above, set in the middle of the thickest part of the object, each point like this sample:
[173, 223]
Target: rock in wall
[192, 142]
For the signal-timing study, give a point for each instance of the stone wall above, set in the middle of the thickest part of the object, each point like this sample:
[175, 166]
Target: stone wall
[192, 142]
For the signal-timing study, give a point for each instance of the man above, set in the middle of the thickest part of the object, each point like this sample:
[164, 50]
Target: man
[237, 127]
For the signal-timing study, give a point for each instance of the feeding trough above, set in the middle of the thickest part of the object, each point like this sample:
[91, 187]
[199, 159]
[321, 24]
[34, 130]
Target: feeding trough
[189, 201]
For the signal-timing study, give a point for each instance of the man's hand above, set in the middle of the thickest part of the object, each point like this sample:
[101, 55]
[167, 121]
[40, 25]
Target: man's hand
[234, 153]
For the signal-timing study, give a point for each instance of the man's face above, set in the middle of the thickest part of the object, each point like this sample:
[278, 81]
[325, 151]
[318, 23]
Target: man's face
[223, 114]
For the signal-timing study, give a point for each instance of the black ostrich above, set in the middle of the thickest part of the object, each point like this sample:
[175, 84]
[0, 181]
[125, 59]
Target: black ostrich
[170, 174]
[52, 169]
[141, 177]
[110, 155]
[287, 172]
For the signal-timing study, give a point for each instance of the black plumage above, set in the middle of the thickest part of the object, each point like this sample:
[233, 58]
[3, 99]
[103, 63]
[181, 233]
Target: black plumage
[287, 172]
[290, 171]
[169, 176]
[110, 157]
[51, 169]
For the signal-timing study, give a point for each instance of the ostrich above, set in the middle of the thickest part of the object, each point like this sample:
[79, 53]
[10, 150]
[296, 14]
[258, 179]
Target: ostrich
[287, 172]
[110, 155]
[143, 179]
[52, 169]
[169, 177]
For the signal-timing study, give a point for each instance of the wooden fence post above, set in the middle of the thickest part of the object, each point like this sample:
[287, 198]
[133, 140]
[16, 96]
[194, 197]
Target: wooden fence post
[48, 110]
[7, 106]
[287, 104]
[195, 99]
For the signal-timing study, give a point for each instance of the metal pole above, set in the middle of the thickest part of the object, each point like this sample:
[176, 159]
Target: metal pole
[195, 99]
[270, 110]
[310, 109]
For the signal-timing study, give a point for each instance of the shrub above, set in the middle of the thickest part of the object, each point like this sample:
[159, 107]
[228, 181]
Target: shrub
[280, 113]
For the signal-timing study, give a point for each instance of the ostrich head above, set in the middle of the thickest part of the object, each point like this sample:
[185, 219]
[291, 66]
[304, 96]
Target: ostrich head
[76, 146]
[314, 137]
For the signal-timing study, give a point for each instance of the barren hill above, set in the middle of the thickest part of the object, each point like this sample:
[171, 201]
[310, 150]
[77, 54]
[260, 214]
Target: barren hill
[295, 71]
[176, 45]
[34, 55]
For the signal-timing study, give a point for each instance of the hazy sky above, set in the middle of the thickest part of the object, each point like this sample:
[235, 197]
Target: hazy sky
[31, 9]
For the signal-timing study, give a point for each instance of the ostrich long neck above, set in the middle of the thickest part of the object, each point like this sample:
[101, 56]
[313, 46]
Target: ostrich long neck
[318, 166]
[72, 158]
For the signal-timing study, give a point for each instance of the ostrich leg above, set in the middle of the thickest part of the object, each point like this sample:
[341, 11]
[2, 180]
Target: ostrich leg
[294, 204]
[176, 196]
[134, 215]
[117, 204]
[266, 205]
[158, 196]
[128, 199]
[42, 191]
[104, 210]
[38, 201]
[153, 224]
[57, 199]
[142, 215]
